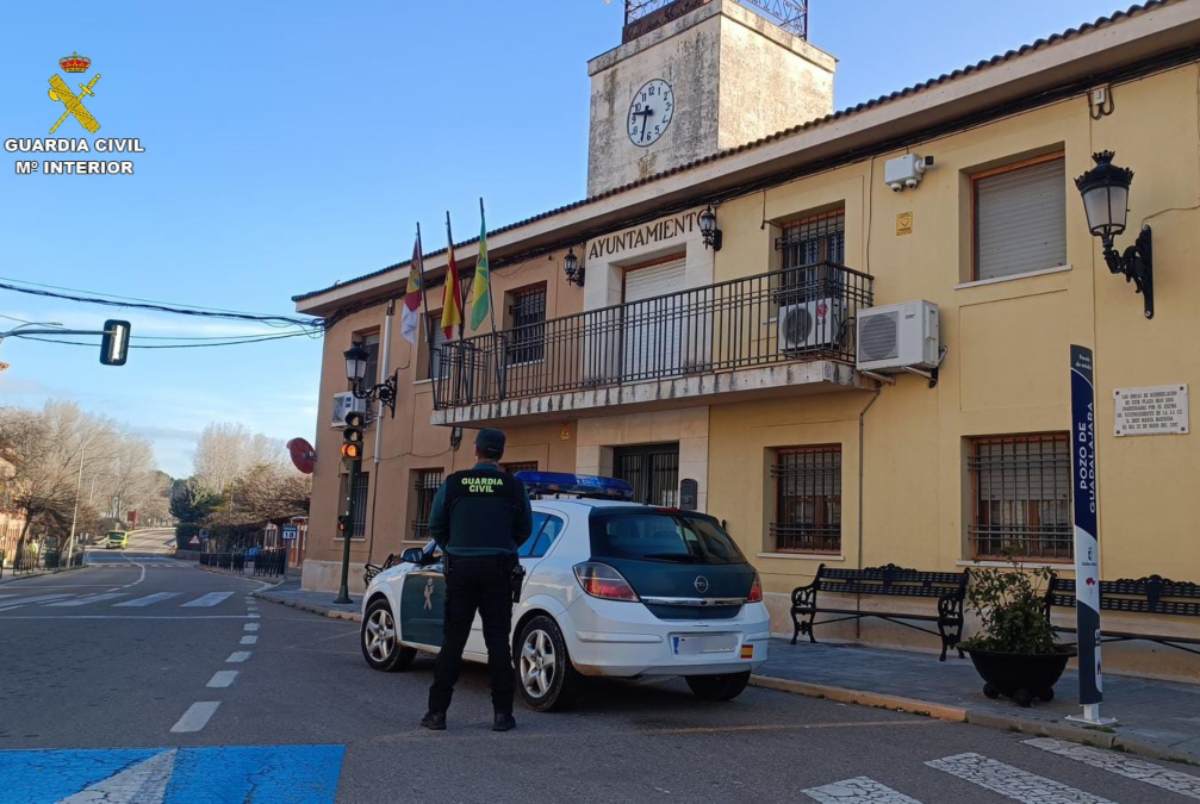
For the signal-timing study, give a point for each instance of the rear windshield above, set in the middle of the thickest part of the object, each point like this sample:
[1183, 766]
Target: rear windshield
[649, 535]
[116, 535]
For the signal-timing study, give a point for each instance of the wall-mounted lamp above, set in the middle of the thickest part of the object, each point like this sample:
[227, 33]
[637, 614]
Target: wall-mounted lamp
[356, 371]
[1105, 191]
[572, 268]
[708, 229]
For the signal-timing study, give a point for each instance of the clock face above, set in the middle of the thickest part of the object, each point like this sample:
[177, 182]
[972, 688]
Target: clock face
[650, 112]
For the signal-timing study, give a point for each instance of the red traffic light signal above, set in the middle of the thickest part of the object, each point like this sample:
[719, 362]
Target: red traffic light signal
[344, 524]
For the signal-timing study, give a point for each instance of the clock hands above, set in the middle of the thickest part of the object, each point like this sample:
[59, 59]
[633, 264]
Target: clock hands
[645, 113]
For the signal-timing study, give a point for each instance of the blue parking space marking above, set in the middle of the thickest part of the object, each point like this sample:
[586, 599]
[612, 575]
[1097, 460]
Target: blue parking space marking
[272, 774]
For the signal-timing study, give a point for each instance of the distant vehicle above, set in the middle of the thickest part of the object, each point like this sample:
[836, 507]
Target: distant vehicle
[116, 538]
[613, 589]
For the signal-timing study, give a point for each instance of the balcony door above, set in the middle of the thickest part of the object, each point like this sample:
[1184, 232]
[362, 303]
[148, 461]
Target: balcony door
[652, 470]
[653, 327]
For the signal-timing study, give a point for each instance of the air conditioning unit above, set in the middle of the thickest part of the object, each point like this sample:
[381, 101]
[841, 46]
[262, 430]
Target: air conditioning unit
[810, 325]
[344, 403]
[894, 337]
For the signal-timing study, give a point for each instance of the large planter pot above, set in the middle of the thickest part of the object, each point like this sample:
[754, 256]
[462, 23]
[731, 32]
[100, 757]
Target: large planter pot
[1022, 677]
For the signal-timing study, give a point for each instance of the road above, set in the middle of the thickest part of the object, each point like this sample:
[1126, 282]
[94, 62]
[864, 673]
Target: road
[142, 679]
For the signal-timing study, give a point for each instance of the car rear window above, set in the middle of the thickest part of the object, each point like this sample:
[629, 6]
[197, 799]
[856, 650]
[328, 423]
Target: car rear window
[668, 536]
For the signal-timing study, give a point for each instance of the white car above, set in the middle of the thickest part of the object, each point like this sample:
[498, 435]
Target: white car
[612, 589]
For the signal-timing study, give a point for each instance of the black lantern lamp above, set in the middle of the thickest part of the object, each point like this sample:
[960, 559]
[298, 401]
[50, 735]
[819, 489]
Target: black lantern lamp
[1105, 191]
[708, 229]
[572, 268]
[356, 371]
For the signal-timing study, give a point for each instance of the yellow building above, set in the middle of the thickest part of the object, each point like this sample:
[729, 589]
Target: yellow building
[735, 364]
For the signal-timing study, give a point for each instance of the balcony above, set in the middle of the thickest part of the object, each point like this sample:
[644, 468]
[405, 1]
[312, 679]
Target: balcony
[769, 334]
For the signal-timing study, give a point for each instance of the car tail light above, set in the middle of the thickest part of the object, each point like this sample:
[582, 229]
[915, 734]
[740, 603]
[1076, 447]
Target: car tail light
[602, 581]
[755, 595]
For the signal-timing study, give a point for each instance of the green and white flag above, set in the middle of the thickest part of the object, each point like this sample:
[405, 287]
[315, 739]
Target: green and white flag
[481, 285]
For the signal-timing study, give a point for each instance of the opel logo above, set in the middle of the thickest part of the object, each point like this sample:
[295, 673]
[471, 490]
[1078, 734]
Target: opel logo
[701, 584]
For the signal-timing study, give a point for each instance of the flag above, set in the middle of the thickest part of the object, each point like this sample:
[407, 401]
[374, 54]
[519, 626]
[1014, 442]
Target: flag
[481, 285]
[410, 317]
[452, 312]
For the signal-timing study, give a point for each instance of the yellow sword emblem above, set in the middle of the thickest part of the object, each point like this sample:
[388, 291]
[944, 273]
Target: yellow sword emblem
[59, 91]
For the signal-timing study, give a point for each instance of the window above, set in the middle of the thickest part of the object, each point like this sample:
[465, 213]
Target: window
[527, 314]
[519, 466]
[425, 485]
[806, 247]
[370, 342]
[669, 537]
[545, 530]
[362, 484]
[808, 500]
[1020, 217]
[438, 365]
[1021, 496]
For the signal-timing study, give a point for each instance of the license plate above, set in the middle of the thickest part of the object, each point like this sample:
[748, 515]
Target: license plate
[698, 644]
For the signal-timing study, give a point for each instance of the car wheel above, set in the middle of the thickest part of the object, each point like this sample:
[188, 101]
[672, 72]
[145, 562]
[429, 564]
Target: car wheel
[544, 673]
[724, 687]
[380, 645]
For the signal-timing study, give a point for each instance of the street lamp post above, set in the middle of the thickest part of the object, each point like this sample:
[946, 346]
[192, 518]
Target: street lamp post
[78, 488]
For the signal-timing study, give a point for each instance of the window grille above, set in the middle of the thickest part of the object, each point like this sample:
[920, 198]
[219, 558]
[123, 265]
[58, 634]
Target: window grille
[369, 342]
[527, 309]
[808, 247]
[520, 466]
[425, 483]
[808, 501]
[1021, 491]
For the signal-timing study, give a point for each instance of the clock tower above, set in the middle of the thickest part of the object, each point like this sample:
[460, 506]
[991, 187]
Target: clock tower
[694, 77]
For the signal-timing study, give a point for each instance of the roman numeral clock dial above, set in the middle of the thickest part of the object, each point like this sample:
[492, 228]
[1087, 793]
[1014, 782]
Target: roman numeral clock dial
[650, 112]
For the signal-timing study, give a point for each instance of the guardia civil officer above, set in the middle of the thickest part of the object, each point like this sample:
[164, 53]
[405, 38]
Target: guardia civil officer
[480, 517]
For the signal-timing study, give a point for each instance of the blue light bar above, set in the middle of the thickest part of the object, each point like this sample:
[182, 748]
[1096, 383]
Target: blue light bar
[582, 485]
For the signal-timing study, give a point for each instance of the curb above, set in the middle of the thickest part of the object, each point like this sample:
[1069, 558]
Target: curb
[352, 616]
[955, 714]
[256, 578]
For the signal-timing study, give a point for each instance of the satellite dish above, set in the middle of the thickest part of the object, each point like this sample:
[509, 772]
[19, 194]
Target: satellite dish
[303, 455]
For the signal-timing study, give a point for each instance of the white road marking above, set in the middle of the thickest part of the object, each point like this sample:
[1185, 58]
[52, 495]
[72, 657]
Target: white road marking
[250, 627]
[196, 717]
[143, 783]
[125, 616]
[83, 601]
[1014, 783]
[238, 656]
[254, 615]
[249, 640]
[859, 790]
[23, 601]
[148, 600]
[1123, 765]
[210, 599]
[222, 679]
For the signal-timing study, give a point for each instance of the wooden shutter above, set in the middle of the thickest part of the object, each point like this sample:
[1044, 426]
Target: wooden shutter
[1020, 220]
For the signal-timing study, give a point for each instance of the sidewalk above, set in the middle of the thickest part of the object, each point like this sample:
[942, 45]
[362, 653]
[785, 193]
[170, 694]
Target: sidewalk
[289, 593]
[1159, 719]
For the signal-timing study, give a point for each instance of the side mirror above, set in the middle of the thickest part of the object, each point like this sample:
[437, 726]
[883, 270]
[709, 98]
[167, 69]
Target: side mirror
[413, 555]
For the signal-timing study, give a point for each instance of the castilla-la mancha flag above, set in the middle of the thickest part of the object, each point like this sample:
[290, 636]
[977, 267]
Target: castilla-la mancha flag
[410, 318]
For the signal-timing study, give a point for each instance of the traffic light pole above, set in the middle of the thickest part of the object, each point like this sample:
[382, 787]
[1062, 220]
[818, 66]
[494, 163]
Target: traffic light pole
[344, 587]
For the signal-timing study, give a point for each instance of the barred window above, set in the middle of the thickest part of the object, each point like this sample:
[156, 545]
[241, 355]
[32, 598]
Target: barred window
[520, 466]
[1021, 493]
[425, 485]
[362, 484]
[370, 342]
[527, 312]
[808, 499]
[806, 247]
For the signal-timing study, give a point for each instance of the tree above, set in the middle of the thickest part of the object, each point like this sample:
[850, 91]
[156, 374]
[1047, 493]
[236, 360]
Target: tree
[191, 502]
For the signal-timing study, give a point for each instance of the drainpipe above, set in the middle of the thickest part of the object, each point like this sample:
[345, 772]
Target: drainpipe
[861, 416]
[384, 365]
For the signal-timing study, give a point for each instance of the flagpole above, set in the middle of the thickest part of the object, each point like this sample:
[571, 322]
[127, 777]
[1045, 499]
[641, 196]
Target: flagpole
[425, 299]
[491, 305]
[497, 335]
[462, 302]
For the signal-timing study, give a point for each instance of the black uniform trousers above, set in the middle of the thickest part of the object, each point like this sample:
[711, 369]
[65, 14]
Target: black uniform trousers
[476, 583]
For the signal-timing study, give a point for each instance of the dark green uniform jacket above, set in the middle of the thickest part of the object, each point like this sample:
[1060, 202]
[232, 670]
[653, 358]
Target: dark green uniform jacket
[481, 511]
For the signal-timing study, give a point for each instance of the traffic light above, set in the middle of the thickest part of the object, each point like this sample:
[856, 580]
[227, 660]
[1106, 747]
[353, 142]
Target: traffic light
[345, 523]
[114, 345]
[352, 437]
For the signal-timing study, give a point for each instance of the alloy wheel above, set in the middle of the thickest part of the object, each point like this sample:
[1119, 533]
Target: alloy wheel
[538, 663]
[379, 637]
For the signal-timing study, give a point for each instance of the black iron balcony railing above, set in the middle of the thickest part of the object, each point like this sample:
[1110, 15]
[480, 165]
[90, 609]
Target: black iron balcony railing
[800, 314]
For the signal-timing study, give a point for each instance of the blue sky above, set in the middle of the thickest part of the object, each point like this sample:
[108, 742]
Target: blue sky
[291, 144]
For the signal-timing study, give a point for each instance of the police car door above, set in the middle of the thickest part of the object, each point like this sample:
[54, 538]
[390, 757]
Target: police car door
[422, 606]
[546, 528]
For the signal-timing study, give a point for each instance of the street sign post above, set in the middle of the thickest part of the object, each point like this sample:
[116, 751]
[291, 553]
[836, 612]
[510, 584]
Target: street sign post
[1087, 536]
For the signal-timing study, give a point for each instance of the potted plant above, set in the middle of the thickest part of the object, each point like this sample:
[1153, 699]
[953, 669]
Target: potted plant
[1015, 651]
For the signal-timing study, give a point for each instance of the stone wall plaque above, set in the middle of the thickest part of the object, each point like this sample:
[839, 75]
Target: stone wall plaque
[1155, 410]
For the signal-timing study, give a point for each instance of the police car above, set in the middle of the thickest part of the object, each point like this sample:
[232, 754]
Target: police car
[612, 588]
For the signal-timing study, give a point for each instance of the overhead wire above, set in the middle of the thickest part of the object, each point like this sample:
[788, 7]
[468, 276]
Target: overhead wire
[238, 342]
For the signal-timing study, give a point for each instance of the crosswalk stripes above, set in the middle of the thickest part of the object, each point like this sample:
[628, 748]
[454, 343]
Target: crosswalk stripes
[859, 790]
[1178, 782]
[147, 600]
[24, 601]
[86, 599]
[210, 599]
[1012, 782]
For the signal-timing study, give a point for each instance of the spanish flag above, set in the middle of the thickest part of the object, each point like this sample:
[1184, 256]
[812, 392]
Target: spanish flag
[452, 306]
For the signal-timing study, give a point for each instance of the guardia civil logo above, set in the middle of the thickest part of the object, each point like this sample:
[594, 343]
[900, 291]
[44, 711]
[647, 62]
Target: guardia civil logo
[72, 103]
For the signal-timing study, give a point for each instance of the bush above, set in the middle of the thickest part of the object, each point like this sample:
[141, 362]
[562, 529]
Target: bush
[1011, 606]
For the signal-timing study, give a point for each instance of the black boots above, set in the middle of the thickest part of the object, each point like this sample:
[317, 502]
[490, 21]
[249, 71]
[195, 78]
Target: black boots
[504, 722]
[434, 721]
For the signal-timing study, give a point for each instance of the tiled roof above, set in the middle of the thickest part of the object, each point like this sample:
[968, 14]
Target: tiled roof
[1000, 58]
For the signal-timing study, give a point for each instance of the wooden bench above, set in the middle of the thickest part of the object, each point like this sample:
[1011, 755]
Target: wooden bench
[1151, 595]
[949, 588]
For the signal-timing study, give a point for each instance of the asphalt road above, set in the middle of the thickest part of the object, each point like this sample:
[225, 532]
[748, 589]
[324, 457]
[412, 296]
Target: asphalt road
[143, 679]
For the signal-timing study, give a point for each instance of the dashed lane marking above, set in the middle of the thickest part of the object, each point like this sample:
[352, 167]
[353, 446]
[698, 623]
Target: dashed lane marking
[1019, 785]
[250, 627]
[207, 600]
[249, 640]
[222, 679]
[238, 656]
[196, 717]
[859, 790]
[1175, 781]
[148, 600]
